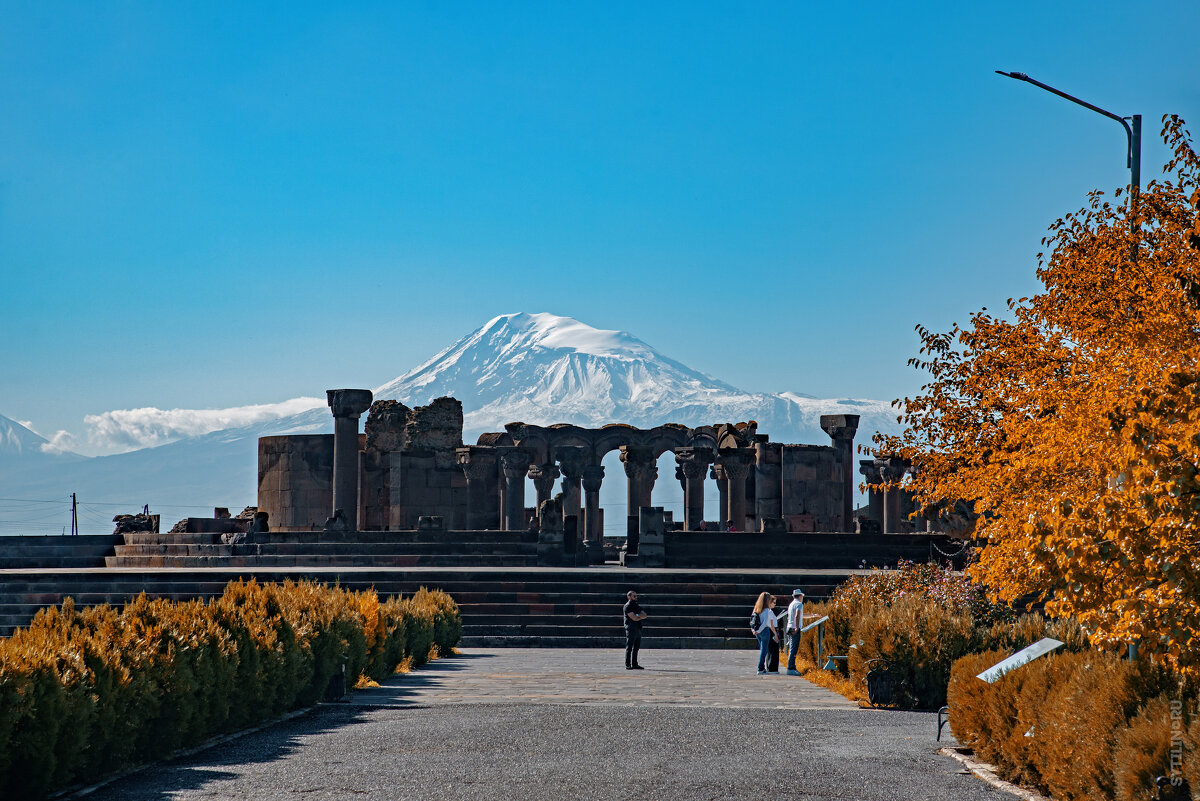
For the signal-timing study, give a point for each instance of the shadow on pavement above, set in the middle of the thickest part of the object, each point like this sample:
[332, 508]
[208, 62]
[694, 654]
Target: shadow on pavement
[162, 781]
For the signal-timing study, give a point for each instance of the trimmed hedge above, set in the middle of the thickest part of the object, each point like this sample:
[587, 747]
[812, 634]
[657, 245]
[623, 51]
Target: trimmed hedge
[923, 617]
[1078, 726]
[87, 692]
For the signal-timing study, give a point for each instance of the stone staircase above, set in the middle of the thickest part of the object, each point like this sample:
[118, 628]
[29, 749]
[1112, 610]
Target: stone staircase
[520, 606]
[330, 549]
[53, 552]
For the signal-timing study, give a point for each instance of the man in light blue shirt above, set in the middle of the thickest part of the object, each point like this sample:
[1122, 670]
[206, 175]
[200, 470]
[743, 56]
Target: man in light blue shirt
[795, 621]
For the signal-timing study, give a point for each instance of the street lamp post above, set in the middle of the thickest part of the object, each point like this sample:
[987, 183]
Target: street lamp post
[1133, 160]
[1133, 153]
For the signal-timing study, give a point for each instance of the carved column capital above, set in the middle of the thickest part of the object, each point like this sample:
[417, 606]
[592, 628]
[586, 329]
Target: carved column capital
[543, 472]
[543, 476]
[571, 459]
[736, 463]
[348, 402]
[737, 471]
[593, 476]
[477, 462]
[891, 469]
[514, 462]
[639, 462]
[840, 426]
[870, 471]
[694, 462]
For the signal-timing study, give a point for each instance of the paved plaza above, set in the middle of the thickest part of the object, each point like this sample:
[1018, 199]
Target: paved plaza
[574, 724]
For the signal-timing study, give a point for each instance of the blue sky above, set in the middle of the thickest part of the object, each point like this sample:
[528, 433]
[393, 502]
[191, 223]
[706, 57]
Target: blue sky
[205, 206]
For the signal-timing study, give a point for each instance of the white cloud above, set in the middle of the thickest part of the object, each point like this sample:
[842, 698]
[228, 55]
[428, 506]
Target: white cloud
[61, 442]
[28, 424]
[123, 430]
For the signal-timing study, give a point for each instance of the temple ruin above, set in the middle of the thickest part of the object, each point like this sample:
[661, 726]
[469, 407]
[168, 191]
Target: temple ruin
[409, 468]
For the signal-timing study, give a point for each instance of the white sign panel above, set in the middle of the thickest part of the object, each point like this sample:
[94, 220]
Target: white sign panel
[1025, 655]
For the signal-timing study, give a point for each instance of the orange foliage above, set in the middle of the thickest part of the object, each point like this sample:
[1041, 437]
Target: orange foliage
[1073, 425]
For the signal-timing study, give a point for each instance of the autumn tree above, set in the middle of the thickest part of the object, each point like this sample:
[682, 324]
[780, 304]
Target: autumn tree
[1072, 423]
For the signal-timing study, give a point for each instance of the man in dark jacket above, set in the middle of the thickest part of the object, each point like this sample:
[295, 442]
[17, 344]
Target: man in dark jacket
[633, 616]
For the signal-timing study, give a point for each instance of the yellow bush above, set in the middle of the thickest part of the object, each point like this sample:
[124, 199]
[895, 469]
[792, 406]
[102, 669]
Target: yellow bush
[1072, 724]
[86, 692]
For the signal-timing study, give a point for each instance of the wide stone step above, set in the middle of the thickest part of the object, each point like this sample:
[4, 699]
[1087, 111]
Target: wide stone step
[337, 537]
[669, 618]
[549, 629]
[603, 641]
[363, 549]
[9, 562]
[323, 560]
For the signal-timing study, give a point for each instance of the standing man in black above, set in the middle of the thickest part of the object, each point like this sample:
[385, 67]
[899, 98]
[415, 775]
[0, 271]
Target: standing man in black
[633, 617]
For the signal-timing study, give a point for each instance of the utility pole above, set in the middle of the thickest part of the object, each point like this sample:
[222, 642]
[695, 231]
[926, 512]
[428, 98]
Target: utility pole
[74, 516]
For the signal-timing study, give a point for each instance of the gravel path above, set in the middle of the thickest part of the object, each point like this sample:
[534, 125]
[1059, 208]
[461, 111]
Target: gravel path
[531, 724]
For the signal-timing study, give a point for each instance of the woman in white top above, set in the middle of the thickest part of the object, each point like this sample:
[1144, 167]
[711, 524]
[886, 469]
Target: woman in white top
[764, 628]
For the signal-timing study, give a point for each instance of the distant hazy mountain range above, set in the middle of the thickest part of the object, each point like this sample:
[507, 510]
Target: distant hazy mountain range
[533, 368]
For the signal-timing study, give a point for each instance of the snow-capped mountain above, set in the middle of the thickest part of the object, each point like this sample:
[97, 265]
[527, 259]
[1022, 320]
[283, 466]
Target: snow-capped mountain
[533, 368]
[20, 444]
[543, 369]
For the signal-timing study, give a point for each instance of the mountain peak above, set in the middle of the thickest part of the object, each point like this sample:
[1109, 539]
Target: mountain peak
[552, 332]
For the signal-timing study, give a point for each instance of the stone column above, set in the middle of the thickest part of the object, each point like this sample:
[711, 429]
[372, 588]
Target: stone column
[871, 475]
[479, 466]
[642, 471]
[736, 463]
[571, 459]
[693, 463]
[543, 476]
[891, 471]
[841, 429]
[593, 531]
[514, 463]
[347, 405]
[768, 481]
[717, 474]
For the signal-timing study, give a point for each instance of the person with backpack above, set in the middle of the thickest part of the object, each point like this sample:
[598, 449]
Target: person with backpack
[763, 623]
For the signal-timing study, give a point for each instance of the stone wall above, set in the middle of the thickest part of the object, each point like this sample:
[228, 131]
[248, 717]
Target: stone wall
[295, 480]
[812, 482]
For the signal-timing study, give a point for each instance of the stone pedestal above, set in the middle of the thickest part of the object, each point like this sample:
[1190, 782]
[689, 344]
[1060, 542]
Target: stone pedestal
[347, 405]
[652, 546]
[551, 551]
[841, 428]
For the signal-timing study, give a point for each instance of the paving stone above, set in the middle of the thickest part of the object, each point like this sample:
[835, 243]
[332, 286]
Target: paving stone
[573, 724]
